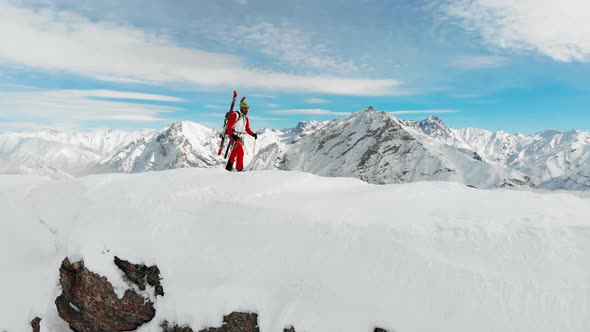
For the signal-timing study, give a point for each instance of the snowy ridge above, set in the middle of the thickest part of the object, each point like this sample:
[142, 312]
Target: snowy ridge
[495, 147]
[55, 154]
[31, 165]
[321, 254]
[543, 156]
[373, 146]
[182, 144]
[100, 141]
[554, 154]
[434, 127]
[38, 153]
[379, 148]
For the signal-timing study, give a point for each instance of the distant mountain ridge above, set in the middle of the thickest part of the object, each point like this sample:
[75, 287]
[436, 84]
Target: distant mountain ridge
[373, 146]
[379, 148]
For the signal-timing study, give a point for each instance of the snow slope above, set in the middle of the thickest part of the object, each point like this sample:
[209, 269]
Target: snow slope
[380, 148]
[553, 154]
[493, 146]
[575, 180]
[100, 141]
[182, 144]
[55, 154]
[323, 254]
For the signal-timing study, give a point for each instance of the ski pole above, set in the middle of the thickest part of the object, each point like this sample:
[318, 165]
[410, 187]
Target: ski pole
[232, 142]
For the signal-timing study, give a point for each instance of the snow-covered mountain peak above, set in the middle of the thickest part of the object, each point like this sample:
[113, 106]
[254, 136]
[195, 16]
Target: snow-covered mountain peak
[434, 119]
[371, 115]
[181, 144]
[434, 126]
[306, 126]
[578, 135]
[379, 148]
[548, 133]
[49, 132]
[375, 146]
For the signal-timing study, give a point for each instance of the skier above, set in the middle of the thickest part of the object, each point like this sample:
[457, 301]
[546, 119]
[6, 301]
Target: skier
[237, 126]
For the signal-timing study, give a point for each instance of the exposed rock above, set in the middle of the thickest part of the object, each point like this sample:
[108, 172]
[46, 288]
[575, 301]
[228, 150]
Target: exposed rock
[141, 275]
[237, 322]
[36, 324]
[88, 302]
[377, 329]
[477, 157]
[166, 327]
[290, 329]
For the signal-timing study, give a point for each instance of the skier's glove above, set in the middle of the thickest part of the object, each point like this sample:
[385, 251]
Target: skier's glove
[255, 135]
[235, 137]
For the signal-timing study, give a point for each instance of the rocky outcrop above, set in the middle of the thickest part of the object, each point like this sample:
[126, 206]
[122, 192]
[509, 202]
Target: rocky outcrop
[141, 275]
[167, 327]
[36, 324]
[88, 302]
[237, 322]
[234, 322]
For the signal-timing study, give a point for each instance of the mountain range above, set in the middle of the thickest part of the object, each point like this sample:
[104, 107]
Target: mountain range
[376, 147]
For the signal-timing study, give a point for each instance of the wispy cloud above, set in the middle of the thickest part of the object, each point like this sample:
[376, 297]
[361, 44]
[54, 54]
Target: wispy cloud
[20, 126]
[122, 95]
[314, 111]
[316, 101]
[479, 61]
[558, 29]
[72, 107]
[422, 112]
[15, 86]
[65, 41]
[293, 46]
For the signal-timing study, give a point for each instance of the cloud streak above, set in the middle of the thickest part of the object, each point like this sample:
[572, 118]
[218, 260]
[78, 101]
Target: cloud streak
[65, 41]
[316, 101]
[314, 111]
[558, 29]
[122, 95]
[73, 107]
[293, 46]
[479, 61]
[422, 112]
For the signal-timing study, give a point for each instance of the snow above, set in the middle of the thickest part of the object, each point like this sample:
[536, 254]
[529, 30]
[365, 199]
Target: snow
[321, 254]
[373, 146]
[61, 154]
[381, 149]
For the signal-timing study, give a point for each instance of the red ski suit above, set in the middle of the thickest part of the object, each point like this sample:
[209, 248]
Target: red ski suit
[236, 125]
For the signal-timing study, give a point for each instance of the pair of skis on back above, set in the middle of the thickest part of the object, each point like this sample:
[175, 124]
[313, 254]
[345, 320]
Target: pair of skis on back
[224, 130]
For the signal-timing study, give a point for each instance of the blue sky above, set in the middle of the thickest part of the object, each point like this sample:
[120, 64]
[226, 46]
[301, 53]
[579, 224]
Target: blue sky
[516, 66]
